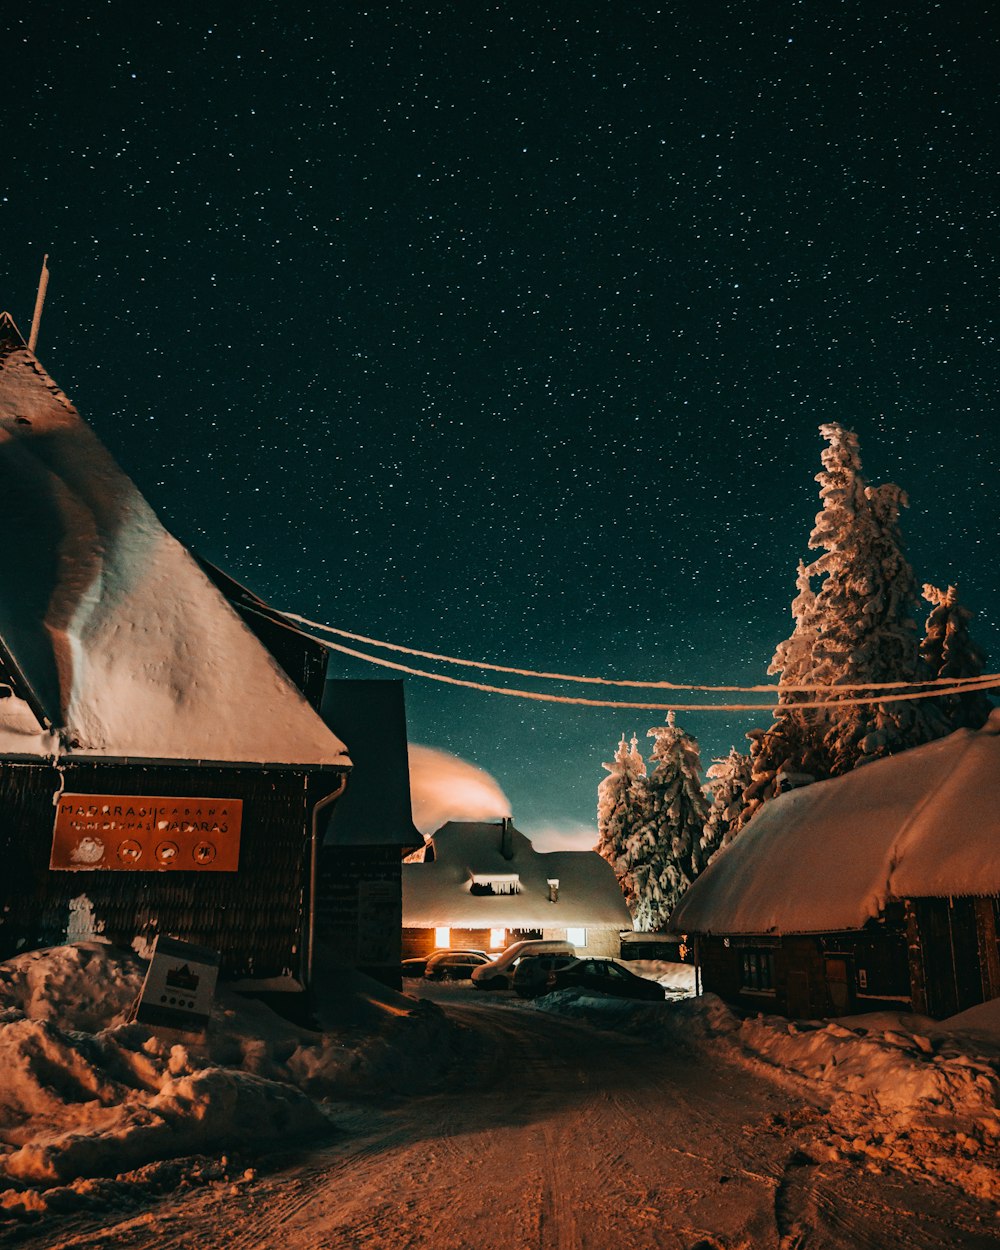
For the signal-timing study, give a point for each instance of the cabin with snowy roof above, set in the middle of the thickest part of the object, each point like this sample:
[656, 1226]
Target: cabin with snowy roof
[483, 886]
[160, 770]
[876, 890]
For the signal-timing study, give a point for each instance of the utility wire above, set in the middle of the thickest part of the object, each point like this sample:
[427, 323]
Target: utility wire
[932, 685]
[982, 683]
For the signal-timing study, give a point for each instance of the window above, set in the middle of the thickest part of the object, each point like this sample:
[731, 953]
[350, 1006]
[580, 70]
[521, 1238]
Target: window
[757, 970]
[577, 936]
[498, 939]
[442, 937]
[495, 883]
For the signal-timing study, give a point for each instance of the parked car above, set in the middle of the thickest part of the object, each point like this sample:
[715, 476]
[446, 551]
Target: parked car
[531, 973]
[454, 965]
[415, 967]
[497, 973]
[602, 976]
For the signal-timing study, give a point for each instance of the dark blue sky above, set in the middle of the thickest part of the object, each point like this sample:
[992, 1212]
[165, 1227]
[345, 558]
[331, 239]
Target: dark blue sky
[506, 331]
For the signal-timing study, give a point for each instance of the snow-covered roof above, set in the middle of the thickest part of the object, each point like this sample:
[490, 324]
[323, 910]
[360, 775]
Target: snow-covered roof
[110, 633]
[439, 893]
[827, 857]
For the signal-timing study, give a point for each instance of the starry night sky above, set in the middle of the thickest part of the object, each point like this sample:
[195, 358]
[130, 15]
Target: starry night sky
[505, 330]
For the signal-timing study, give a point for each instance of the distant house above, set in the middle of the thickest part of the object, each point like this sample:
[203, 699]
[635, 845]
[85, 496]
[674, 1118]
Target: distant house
[160, 770]
[483, 885]
[878, 889]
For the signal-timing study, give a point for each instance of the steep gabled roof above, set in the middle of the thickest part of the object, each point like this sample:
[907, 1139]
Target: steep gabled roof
[439, 893]
[826, 858]
[110, 634]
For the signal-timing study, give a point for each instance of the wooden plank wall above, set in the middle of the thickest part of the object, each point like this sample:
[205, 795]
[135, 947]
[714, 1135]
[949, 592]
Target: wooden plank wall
[254, 917]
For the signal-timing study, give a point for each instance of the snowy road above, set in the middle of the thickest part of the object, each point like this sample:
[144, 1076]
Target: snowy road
[562, 1137]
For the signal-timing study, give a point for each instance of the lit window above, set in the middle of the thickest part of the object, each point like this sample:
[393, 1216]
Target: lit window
[498, 939]
[442, 937]
[577, 936]
[495, 883]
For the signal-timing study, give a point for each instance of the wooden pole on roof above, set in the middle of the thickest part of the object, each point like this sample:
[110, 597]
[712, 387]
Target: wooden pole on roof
[36, 320]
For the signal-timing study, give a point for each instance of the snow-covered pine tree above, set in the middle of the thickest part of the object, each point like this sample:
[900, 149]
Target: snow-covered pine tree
[619, 805]
[660, 855]
[881, 643]
[790, 749]
[727, 780]
[949, 651]
[857, 626]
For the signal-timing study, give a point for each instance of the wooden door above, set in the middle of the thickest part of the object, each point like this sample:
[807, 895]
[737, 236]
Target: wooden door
[838, 983]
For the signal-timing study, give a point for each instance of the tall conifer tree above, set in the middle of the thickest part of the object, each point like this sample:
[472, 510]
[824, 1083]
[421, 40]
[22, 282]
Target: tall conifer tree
[619, 808]
[949, 651]
[728, 779]
[662, 852]
[854, 623]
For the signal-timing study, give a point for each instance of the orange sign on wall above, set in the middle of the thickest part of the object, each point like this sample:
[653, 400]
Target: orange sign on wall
[139, 833]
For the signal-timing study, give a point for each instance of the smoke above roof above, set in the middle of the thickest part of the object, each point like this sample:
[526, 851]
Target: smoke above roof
[445, 787]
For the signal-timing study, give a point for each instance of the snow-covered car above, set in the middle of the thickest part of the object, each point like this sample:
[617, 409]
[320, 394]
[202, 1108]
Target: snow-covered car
[602, 976]
[416, 966]
[454, 965]
[497, 973]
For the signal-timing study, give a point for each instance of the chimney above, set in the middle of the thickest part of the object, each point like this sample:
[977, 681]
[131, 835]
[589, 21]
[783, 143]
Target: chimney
[506, 839]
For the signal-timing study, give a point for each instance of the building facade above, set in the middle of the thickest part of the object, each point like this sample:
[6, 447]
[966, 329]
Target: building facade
[482, 885]
[160, 770]
[879, 889]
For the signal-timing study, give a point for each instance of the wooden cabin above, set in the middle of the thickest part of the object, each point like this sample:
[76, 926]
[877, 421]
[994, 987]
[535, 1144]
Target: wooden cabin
[482, 886]
[878, 889]
[160, 770]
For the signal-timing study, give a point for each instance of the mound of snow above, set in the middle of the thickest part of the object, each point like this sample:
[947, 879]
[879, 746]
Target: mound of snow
[86, 1094]
[982, 1020]
[677, 979]
[86, 986]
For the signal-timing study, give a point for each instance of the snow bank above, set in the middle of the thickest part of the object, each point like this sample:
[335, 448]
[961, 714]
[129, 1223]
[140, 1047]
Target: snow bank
[913, 1094]
[677, 979]
[900, 1090]
[88, 1097]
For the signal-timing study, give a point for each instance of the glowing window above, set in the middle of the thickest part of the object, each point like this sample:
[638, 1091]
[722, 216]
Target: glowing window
[495, 883]
[442, 937]
[577, 936]
[498, 939]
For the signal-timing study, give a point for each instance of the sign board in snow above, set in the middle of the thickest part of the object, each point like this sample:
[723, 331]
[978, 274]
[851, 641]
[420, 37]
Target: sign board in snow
[180, 981]
[139, 833]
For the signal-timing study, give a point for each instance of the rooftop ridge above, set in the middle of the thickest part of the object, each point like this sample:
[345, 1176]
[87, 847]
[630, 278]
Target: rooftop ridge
[11, 338]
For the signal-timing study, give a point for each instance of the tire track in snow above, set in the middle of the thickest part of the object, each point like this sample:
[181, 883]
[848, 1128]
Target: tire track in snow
[834, 1205]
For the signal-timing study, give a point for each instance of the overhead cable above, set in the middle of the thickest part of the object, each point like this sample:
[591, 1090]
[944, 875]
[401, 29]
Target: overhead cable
[976, 684]
[932, 685]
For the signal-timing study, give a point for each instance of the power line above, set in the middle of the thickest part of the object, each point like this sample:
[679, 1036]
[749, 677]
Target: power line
[932, 685]
[968, 684]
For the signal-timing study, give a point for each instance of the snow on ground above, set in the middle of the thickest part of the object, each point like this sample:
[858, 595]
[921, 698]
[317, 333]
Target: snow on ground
[90, 1102]
[96, 1111]
[907, 1092]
